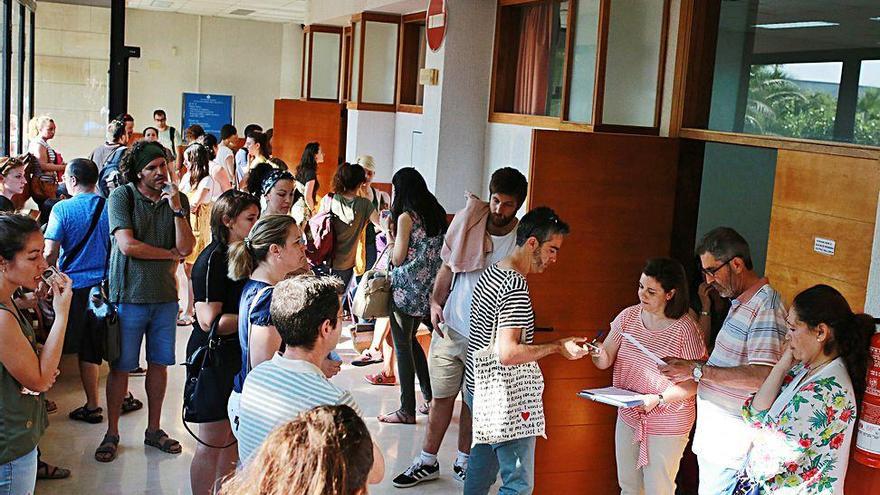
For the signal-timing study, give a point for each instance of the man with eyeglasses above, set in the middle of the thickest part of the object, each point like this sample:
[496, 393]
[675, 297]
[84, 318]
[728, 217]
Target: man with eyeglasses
[748, 345]
[167, 133]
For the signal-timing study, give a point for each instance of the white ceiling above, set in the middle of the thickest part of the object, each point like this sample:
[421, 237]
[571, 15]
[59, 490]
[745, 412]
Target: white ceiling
[263, 10]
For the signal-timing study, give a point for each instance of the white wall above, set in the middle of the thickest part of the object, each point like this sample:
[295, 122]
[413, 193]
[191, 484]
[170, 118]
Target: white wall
[372, 133]
[186, 53]
[70, 74]
[408, 148]
[291, 61]
[506, 146]
[872, 298]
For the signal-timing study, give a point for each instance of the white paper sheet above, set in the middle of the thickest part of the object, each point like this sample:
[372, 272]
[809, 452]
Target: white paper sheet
[644, 349]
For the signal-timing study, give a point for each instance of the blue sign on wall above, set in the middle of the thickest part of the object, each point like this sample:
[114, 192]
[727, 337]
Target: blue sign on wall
[209, 111]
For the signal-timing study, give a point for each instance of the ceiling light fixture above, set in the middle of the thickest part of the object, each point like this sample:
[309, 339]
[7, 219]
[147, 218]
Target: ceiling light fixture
[162, 4]
[797, 25]
[242, 12]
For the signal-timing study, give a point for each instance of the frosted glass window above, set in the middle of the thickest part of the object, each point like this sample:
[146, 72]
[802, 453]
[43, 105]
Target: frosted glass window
[355, 61]
[308, 61]
[380, 62]
[325, 65]
[633, 62]
[583, 61]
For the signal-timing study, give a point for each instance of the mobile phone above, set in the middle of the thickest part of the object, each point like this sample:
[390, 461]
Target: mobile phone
[49, 275]
[166, 188]
[589, 346]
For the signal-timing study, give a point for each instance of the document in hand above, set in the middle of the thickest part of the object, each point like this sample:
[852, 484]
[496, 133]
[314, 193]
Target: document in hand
[613, 396]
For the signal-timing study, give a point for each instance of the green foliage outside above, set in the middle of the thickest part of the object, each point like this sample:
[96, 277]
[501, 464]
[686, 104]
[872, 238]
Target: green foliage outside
[777, 106]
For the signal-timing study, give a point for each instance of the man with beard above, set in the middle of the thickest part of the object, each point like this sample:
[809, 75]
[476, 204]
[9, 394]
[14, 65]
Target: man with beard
[501, 312]
[748, 345]
[479, 236]
[150, 234]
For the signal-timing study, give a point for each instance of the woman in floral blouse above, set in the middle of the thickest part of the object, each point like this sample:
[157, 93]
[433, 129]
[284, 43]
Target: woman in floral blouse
[806, 409]
[418, 223]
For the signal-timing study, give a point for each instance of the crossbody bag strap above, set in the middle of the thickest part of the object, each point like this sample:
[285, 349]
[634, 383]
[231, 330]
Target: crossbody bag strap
[74, 252]
[250, 325]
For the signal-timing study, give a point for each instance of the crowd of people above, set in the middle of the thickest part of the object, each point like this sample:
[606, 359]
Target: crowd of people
[138, 239]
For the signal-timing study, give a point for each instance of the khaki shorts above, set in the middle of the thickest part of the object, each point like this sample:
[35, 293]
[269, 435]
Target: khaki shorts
[446, 362]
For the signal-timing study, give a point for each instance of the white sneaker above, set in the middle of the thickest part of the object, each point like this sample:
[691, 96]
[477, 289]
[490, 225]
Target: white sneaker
[460, 472]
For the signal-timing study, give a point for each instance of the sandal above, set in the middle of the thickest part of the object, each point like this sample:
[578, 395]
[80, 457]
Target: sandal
[106, 452]
[51, 406]
[139, 371]
[381, 378]
[87, 415]
[130, 404]
[47, 471]
[398, 417]
[184, 321]
[425, 408]
[367, 358]
[162, 441]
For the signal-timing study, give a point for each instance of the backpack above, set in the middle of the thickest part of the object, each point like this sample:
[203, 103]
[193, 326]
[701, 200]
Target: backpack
[110, 178]
[319, 249]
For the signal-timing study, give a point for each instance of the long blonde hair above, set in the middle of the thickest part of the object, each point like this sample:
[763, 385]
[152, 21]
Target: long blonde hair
[326, 450]
[244, 256]
[36, 124]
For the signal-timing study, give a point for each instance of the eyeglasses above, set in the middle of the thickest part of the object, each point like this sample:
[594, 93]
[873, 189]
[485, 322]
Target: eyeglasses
[712, 271]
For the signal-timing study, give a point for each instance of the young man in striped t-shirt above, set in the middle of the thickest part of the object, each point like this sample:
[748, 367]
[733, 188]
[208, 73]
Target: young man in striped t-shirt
[501, 304]
[748, 345]
[306, 311]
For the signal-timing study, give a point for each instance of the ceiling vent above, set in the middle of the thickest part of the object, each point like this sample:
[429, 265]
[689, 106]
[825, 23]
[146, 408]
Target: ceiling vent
[162, 4]
[242, 12]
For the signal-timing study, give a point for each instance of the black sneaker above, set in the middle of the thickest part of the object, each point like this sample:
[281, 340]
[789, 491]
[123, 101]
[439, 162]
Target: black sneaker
[416, 474]
[460, 472]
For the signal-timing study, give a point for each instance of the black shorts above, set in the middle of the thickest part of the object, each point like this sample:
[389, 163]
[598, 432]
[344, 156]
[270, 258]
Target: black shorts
[81, 337]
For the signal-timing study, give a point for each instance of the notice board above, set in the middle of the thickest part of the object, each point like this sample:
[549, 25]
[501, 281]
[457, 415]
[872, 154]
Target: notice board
[207, 110]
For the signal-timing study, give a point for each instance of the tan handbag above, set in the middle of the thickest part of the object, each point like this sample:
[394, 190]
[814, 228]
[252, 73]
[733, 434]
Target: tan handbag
[372, 298]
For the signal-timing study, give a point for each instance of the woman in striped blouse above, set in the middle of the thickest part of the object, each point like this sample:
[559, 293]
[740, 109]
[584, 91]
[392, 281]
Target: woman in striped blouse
[651, 438]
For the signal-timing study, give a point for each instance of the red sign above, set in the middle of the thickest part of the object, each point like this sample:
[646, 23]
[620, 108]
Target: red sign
[436, 24]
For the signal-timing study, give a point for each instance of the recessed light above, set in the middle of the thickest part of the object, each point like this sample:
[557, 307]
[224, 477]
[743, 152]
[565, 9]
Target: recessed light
[162, 4]
[796, 25]
[242, 12]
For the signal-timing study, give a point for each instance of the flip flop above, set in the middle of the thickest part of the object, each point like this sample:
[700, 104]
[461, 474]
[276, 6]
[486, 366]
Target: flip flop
[366, 358]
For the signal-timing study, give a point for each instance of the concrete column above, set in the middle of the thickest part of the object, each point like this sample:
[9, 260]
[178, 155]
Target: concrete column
[455, 112]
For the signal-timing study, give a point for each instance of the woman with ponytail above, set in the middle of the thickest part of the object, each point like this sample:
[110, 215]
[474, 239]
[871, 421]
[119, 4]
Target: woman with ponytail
[806, 409]
[272, 250]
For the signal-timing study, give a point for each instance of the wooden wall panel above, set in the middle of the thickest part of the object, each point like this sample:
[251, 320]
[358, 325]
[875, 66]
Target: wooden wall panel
[299, 122]
[829, 196]
[617, 192]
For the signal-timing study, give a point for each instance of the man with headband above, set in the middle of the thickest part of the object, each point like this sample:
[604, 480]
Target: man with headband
[150, 234]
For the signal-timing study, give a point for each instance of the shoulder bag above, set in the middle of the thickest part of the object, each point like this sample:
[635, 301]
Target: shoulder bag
[372, 298]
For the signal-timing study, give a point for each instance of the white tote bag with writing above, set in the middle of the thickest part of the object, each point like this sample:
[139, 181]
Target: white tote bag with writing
[507, 399]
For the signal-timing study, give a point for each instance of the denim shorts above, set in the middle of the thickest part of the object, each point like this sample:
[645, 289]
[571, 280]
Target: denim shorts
[19, 475]
[158, 322]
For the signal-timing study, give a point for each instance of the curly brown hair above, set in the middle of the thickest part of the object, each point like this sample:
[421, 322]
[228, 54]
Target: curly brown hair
[326, 450]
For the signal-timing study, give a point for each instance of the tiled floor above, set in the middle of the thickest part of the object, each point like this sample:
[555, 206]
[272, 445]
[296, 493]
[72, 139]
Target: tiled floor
[141, 469]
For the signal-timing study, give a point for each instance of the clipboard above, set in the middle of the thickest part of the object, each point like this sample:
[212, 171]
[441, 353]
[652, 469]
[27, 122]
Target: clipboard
[613, 396]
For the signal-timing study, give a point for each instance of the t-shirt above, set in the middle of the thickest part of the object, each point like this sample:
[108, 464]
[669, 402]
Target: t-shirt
[6, 204]
[303, 177]
[241, 163]
[134, 280]
[223, 152]
[501, 302]
[276, 392]
[635, 371]
[259, 316]
[210, 279]
[207, 182]
[68, 224]
[752, 333]
[166, 141]
[457, 311]
[100, 154]
[350, 218]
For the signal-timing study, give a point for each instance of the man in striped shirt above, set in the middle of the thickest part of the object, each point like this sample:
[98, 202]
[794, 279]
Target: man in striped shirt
[306, 311]
[748, 345]
[502, 306]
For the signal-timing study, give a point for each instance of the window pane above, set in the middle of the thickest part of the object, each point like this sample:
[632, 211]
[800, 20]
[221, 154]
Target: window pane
[583, 63]
[423, 43]
[793, 100]
[325, 65]
[380, 62]
[306, 50]
[15, 122]
[633, 62]
[784, 70]
[867, 129]
[356, 61]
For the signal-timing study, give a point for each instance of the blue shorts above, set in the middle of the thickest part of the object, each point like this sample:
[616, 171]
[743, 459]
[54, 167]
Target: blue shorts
[158, 322]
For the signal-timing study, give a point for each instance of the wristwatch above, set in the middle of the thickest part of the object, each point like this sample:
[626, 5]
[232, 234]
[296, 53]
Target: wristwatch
[662, 400]
[179, 213]
[698, 372]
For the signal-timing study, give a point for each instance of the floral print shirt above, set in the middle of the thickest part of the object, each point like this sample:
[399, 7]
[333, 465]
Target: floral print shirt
[804, 449]
[413, 280]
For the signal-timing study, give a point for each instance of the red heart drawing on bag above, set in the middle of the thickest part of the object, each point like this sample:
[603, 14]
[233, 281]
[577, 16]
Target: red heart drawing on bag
[525, 415]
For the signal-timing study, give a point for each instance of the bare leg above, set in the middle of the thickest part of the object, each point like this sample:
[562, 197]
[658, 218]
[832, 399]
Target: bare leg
[157, 380]
[190, 308]
[117, 387]
[209, 464]
[438, 423]
[380, 333]
[88, 374]
[389, 356]
[464, 428]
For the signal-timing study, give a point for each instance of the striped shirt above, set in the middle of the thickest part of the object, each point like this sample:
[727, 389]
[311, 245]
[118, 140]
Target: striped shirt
[752, 333]
[275, 392]
[501, 301]
[635, 371]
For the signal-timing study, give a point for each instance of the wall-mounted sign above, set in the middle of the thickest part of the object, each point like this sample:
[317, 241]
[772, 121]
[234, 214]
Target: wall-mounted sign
[209, 111]
[824, 246]
[436, 24]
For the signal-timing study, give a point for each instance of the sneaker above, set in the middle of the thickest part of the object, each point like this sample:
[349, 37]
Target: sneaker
[460, 472]
[416, 474]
